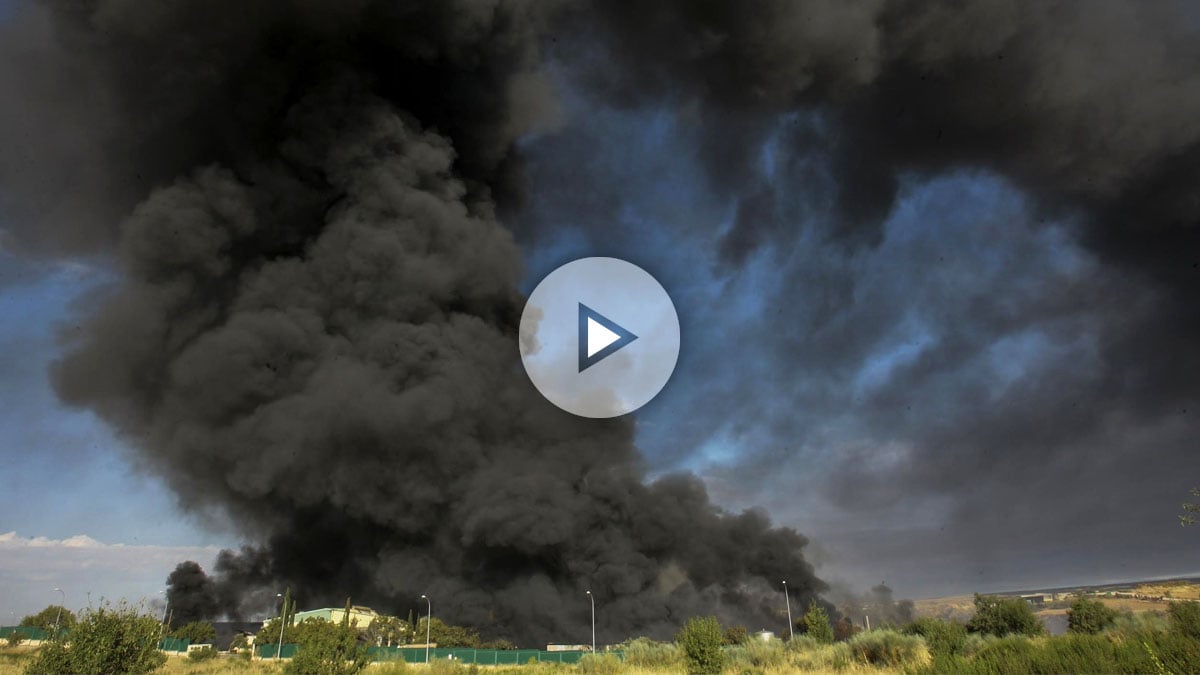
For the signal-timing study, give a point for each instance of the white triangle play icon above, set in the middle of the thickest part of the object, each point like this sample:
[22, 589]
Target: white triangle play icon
[598, 337]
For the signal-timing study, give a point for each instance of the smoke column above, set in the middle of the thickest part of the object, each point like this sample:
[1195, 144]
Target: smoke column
[314, 330]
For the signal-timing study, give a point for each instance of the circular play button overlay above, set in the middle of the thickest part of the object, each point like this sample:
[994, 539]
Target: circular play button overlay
[599, 337]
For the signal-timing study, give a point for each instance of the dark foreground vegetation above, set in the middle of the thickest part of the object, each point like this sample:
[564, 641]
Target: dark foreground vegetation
[1002, 637]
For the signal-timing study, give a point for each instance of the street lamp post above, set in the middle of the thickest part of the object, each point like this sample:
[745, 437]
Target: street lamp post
[279, 649]
[788, 601]
[593, 599]
[166, 606]
[428, 621]
[58, 616]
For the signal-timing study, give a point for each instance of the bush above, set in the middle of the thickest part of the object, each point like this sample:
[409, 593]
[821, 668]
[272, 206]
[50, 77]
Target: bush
[646, 653]
[816, 623]
[995, 615]
[735, 635]
[1089, 616]
[944, 638]
[1185, 619]
[700, 639]
[888, 648]
[758, 654]
[14, 638]
[105, 640]
[599, 664]
[202, 654]
[327, 649]
[821, 657]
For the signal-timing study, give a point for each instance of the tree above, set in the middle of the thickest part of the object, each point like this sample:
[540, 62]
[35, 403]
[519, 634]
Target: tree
[1189, 509]
[328, 649]
[944, 638]
[385, 631]
[1089, 616]
[46, 618]
[445, 635]
[995, 615]
[816, 623]
[735, 635]
[104, 640]
[197, 632]
[844, 629]
[700, 639]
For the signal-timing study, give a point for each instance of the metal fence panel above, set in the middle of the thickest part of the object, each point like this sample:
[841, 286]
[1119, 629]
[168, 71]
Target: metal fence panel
[27, 632]
[268, 651]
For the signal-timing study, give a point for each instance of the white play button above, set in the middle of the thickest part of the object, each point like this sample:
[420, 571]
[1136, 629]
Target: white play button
[586, 311]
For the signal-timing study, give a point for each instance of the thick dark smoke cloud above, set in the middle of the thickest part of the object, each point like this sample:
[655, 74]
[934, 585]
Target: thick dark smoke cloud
[314, 331]
[314, 334]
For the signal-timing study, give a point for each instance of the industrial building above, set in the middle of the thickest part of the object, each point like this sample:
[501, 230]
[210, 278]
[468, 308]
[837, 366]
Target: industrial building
[360, 617]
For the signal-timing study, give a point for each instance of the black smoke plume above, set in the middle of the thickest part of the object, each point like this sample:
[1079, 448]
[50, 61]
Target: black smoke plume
[313, 334]
[313, 331]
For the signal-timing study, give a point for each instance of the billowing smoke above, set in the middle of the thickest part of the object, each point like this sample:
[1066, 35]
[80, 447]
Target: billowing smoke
[313, 334]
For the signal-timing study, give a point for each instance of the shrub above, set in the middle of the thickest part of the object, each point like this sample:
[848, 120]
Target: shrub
[803, 643]
[646, 653]
[1131, 625]
[888, 648]
[735, 635]
[599, 664]
[821, 657]
[816, 623]
[700, 639]
[758, 654]
[1185, 619]
[328, 649]
[104, 640]
[14, 638]
[947, 638]
[1001, 616]
[1089, 616]
[844, 629]
[202, 654]
[397, 667]
[445, 667]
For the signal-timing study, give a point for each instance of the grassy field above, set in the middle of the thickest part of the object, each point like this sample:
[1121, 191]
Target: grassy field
[1177, 589]
[826, 659]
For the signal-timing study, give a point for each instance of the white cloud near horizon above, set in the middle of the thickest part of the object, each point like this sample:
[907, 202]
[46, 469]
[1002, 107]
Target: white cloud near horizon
[32, 567]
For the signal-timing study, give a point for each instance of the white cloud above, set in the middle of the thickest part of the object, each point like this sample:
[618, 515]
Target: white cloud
[32, 567]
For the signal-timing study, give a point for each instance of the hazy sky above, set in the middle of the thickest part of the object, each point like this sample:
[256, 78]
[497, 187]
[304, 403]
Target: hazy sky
[976, 394]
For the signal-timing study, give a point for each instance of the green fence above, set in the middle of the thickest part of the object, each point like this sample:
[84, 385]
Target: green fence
[268, 651]
[483, 657]
[27, 632]
[171, 644]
